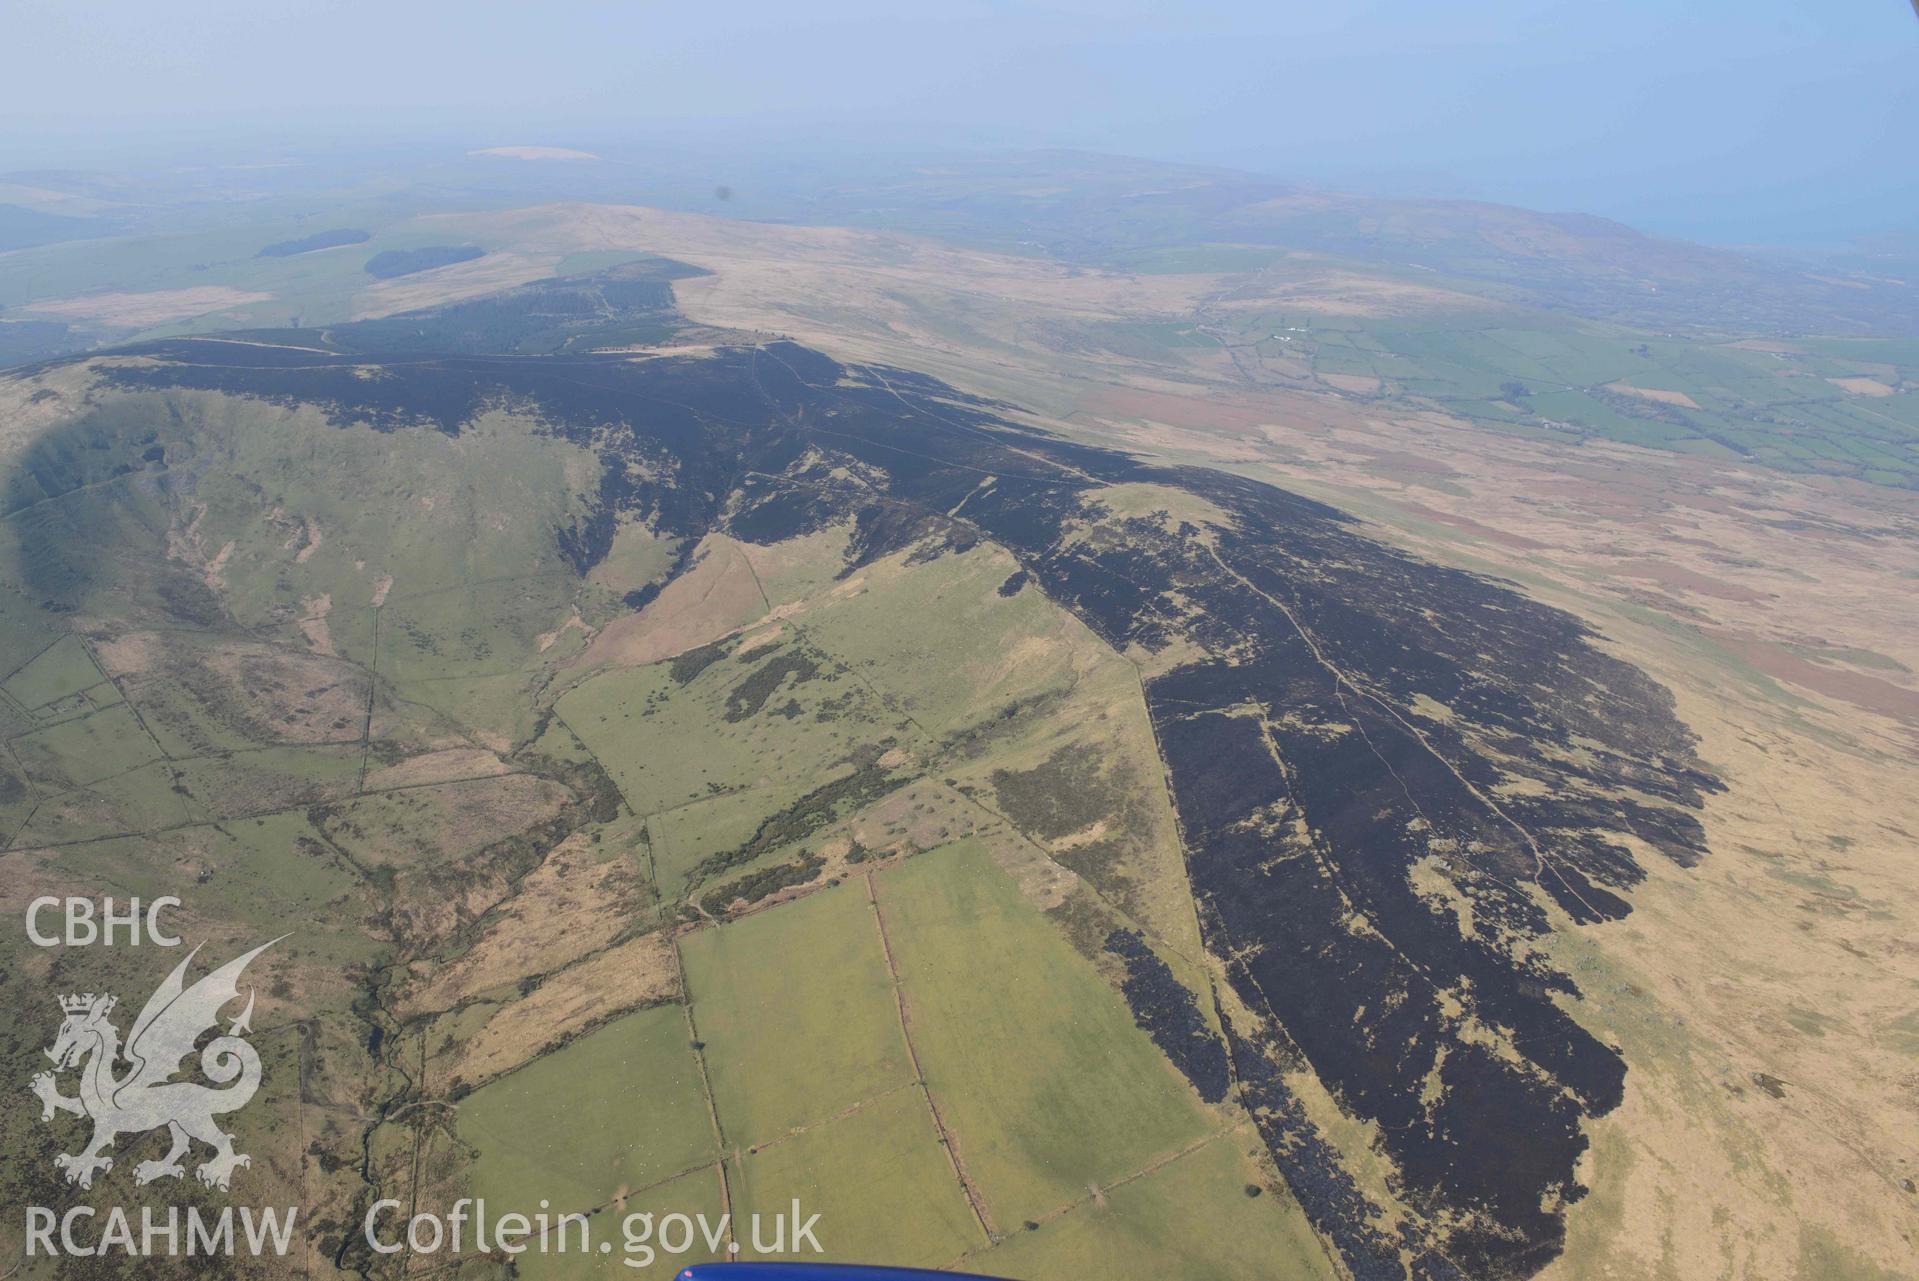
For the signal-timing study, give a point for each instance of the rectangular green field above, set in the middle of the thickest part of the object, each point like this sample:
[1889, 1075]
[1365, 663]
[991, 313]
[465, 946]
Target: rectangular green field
[1037, 1064]
[632, 1234]
[137, 800]
[1190, 1219]
[879, 1181]
[24, 629]
[621, 1108]
[85, 750]
[62, 669]
[797, 1012]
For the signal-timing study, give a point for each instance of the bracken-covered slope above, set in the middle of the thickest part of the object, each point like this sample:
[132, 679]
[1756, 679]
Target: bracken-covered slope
[1392, 779]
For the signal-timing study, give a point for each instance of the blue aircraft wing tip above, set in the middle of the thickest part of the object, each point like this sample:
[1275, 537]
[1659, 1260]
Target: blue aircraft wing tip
[813, 1272]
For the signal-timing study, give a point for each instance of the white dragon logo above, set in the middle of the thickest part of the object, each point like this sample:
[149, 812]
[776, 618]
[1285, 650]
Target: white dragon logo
[145, 1097]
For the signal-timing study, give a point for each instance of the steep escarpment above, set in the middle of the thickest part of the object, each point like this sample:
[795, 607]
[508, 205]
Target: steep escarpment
[1392, 779]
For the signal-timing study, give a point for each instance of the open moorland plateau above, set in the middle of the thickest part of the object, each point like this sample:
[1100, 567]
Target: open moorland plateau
[1201, 756]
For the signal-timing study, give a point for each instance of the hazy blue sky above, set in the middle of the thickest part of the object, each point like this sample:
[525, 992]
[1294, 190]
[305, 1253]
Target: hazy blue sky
[1727, 119]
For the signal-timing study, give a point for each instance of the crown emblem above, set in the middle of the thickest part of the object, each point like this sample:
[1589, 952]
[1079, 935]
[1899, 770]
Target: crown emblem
[82, 1003]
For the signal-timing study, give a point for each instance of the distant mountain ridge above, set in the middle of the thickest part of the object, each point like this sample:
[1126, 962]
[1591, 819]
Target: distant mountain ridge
[1106, 210]
[1077, 208]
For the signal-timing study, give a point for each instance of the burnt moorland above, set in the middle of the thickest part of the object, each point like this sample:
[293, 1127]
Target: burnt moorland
[1391, 777]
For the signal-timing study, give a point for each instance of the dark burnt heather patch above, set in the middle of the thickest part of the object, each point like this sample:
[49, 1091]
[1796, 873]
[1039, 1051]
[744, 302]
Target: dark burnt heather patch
[758, 885]
[405, 262]
[806, 816]
[1362, 716]
[694, 661]
[1391, 777]
[772, 513]
[1169, 1013]
[1064, 794]
[750, 695]
[318, 240]
[1309, 790]
[1319, 1179]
